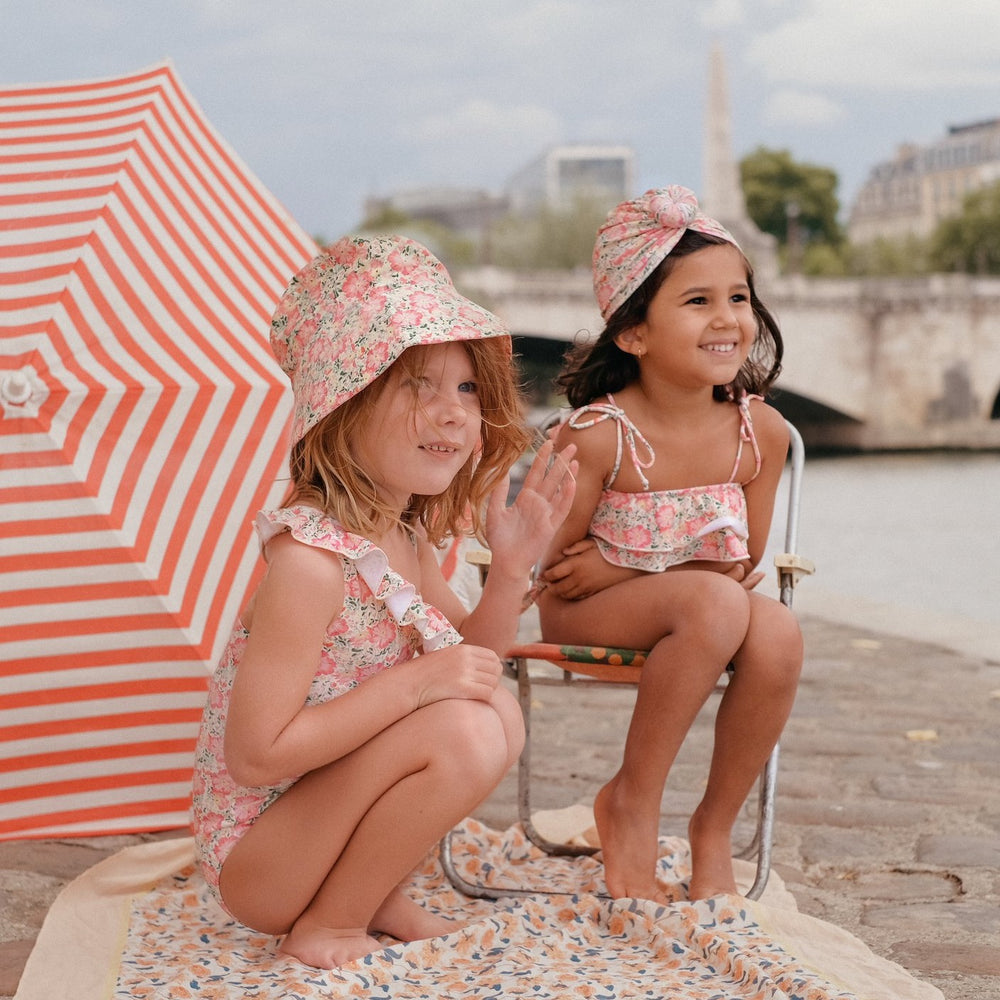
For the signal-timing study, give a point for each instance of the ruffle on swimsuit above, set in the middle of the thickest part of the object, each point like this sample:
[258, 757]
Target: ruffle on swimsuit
[653, 530]
[400, 597]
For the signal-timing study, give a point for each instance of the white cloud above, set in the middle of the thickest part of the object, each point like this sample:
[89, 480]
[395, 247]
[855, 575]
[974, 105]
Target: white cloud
[329, 101]
[720, 15]
[796, 107]
[890, 46]
[480, 137]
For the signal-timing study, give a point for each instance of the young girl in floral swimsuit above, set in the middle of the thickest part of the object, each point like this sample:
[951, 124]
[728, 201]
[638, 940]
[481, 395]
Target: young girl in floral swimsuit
[348, 725]
[668, 399]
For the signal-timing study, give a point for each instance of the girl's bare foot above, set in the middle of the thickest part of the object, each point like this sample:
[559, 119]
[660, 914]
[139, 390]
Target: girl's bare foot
[629, 847]
[711, 860]
[402, 918]
[327, 947]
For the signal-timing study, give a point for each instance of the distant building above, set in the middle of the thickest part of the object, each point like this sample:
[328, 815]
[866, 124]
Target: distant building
[910, 194]
[563, 175]
[468, 212]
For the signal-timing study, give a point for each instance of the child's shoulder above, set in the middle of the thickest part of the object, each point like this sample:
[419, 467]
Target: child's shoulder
[312, 528]
[769, 426]
[592, 428]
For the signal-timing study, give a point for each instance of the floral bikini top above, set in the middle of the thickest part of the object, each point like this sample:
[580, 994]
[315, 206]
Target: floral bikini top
[654, 530]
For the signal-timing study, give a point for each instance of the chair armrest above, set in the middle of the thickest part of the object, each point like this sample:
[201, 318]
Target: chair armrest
[794, 566]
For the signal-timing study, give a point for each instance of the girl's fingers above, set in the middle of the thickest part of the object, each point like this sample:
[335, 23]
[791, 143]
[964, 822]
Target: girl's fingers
[539, 466]
[559, 473]
[497, 501]
[550, 468]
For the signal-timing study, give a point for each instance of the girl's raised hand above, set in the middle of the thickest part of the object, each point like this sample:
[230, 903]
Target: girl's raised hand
[517, 535]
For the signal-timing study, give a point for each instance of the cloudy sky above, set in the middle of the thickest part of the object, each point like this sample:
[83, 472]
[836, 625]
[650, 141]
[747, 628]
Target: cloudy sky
[329, 101]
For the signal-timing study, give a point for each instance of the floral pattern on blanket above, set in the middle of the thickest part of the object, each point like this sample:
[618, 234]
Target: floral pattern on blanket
[181, 945]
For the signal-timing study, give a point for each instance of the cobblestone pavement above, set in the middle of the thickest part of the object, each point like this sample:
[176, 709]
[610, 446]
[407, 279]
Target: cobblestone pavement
[888, 810]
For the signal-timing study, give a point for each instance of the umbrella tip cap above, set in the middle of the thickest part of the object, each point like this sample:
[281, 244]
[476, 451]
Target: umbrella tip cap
[15, 388]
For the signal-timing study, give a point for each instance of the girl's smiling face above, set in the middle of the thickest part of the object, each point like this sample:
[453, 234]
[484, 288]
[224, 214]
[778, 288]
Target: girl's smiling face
[700, 325]
[424, 427]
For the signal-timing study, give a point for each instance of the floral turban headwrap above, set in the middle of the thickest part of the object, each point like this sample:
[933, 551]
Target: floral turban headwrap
[638, 234]
[352, 311]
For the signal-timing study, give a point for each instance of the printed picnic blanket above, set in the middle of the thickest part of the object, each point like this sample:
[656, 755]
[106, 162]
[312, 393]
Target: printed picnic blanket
[142, 925]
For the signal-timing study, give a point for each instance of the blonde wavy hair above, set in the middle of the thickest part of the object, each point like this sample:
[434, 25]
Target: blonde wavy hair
[325, 473]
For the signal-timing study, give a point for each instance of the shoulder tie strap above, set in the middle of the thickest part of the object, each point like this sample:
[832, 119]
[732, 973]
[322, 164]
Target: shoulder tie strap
[746, 434]
[625, 428]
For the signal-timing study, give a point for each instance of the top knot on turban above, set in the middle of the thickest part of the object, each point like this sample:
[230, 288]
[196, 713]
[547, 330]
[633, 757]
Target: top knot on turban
[638, 234]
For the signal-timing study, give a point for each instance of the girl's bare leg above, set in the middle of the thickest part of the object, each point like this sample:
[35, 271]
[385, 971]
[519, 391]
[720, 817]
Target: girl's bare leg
[323, 864]
[693, 623]
[753, 712]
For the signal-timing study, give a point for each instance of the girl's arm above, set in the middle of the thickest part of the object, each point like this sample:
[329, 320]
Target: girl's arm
[573, 568]
[271, 734]
[594, 445]
[772, 436]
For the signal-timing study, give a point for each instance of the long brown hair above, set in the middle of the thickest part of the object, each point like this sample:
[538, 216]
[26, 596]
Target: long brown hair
[595, 369]
[326, 475]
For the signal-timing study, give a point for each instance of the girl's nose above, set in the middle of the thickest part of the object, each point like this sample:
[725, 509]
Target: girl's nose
[450, 408]
[725, 316]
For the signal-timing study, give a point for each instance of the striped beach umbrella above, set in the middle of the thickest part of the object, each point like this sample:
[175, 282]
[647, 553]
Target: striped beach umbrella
[143, 423]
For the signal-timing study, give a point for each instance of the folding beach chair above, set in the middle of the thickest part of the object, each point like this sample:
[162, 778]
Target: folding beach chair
[588, 666]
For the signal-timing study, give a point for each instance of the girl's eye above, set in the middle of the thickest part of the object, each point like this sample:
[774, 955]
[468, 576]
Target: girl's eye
[741, 297]
[469, 386]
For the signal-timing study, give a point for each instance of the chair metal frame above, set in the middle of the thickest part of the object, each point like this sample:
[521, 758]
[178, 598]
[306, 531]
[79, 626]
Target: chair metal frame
[585, 666]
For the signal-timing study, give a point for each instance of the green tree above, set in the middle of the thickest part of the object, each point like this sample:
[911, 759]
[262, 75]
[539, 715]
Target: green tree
[902, 256]
[453, 249]
[550, 238]
[970, 241]
[795, 202]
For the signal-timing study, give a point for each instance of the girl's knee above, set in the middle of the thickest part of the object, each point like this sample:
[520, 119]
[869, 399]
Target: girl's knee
[717, 611]
[474, 736]
[781, 629]
[512, 720]
[774, 643]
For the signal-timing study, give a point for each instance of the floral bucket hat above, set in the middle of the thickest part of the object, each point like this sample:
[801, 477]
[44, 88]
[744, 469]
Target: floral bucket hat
[352, 311]
[638, 234]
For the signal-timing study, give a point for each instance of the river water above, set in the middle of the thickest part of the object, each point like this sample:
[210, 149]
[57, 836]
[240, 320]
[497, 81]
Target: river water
[904, 544]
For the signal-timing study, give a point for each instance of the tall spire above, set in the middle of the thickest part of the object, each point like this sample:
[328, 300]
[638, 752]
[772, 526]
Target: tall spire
[722, 194]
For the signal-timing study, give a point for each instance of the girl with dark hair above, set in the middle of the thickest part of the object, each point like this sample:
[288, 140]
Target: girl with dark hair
[680, 458]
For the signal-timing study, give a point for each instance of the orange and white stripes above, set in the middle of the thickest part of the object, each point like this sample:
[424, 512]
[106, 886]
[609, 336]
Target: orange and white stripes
[143, 423]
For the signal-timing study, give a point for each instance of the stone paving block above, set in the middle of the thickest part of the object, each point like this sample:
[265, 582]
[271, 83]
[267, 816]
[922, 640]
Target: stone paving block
[897, 885]
[926, 787]
[951, 851]
[13, 955]
[966, 751]
[821, 742]
[63, 859]
[872, 813]
[931, 919]
[797, 779]
[968, 959]
[836, 847]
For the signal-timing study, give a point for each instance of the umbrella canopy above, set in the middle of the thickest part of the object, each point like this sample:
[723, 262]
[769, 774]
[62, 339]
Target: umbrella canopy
[143, 423]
